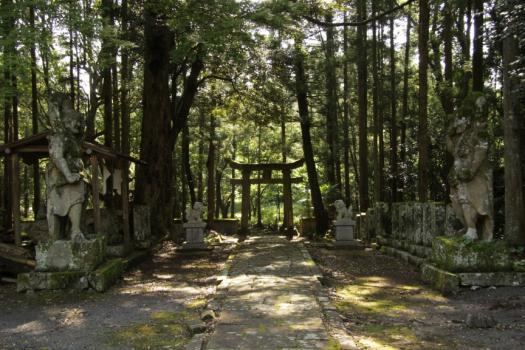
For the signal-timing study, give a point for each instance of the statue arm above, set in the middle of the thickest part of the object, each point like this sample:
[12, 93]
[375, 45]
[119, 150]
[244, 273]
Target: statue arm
[56, 153]
[479, 156]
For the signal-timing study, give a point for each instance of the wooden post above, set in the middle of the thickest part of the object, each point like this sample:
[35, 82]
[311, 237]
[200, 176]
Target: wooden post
[15, 197]
[287, 200]
[125, 202]
[96, 193]
[245, 214]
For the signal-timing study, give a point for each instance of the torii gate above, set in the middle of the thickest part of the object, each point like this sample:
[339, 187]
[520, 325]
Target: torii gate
[267, 168]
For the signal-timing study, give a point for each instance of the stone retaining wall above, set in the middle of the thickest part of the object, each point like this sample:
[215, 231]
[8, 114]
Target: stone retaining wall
[410, 226]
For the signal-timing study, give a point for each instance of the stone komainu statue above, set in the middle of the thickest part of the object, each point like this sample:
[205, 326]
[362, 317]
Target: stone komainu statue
[66, 191]
[195, 214]
[471, 176]
[342, 211]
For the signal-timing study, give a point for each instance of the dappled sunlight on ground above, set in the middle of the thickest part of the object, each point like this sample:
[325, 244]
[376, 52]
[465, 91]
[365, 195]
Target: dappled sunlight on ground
[385, 306]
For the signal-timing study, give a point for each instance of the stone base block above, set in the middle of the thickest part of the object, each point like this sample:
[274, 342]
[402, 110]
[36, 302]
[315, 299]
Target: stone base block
[106, 275]
[65, 255]
[349, 244]
[146, 244]
[118, 251]
[444, 281]
[487, 279]
[51, 281]
[193, 246]
[403, 255]
[457, 254]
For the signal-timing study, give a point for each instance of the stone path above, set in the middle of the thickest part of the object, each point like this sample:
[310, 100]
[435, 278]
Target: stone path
[268, 300]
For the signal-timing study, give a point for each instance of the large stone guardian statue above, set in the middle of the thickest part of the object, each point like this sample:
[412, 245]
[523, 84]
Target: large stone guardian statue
[66, 190]
[471, 176]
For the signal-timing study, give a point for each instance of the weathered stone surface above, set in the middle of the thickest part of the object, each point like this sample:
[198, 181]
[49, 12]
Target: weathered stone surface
[519, 265]
[141, 223]
[403, 255]
[270, 300]
[471, 191]
[49, 280]
[68, 255]
[344, 230]
[487, 279]
[457, 254]
[106, 275]
[444, 281]
[307, 226]
[119, 250]
[194, 232]
[480, 320]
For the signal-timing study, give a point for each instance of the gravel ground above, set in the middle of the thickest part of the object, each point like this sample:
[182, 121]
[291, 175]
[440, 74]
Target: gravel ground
[385, 305]
[148, 309]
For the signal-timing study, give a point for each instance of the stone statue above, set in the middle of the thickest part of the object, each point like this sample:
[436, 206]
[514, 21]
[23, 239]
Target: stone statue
[342, 211]
[66, 191]
[194, 214]
[471, 177]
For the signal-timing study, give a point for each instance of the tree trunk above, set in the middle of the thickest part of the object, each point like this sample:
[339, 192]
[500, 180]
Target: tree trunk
[34, 111]
[153, 184]
[393, 115]
[210, 165]
[477, 55]
[200, 164]
[423, 137]
[375, 109]
[187, 166]
[302, 101]
[362, 83]
[346, 117]
[513, 109]
[107, 86]
[406, 73]
[331, 109]
[124, 82]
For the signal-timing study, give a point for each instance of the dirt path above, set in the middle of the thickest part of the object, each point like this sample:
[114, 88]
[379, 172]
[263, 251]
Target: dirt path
[385, 306]
[148, 309]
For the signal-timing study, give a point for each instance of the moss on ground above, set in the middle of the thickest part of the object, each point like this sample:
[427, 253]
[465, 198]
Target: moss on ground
[166, 330]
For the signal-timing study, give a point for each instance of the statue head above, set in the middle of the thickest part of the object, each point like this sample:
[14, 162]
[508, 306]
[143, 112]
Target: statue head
[62, 115]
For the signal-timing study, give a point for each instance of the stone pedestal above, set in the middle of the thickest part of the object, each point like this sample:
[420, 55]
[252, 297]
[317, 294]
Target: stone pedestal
[64, 264]
[66, 255]
[344, 233]
[194, 235]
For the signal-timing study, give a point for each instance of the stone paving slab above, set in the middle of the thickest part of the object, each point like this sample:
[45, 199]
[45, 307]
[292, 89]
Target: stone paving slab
[269, 299]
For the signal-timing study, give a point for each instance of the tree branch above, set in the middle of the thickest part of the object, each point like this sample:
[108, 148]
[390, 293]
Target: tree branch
[360, 23]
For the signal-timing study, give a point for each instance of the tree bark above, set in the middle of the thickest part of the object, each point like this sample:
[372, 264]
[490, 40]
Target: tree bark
[514, 156]
[346, 117]
[406, 73]
[34, 111]
[153, 184]
[477, 55]
[393, 115]
[362, 82]
[190, 182]
[423, 137]
[210, 164]
[302, 101]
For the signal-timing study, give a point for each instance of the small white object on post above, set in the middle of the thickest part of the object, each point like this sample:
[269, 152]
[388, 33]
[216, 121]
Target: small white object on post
[344, 225]
[194, 227]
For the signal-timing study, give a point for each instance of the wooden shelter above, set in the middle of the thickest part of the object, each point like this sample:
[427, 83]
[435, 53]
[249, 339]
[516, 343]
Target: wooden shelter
[35, 147]
[266, 168]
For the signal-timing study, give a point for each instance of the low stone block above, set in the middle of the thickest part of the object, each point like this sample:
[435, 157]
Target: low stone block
[444, 281]
[119, 250]
[457, 254]
[106, 275]
[226, 226]
[49, 280]
[66, 255]
[487, 279]
[344, 230]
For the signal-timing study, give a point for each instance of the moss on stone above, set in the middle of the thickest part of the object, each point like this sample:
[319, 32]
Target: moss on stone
[103, 277]
[443, 281]
[458, 254]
